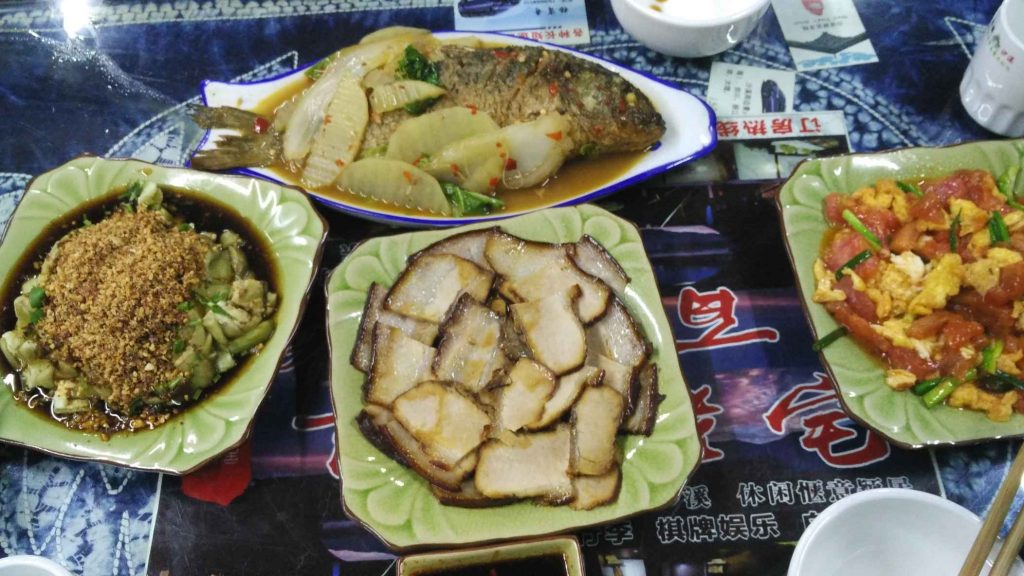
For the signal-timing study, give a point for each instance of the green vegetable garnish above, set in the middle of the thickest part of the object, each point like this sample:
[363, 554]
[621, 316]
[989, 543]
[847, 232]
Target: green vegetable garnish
[315, 71]
[1015, 205]
[861, 229]
[997, 229]
[1006, 181]
[185, 306]
[86, 222]
[35, 315]
[420, 106]
[924, 386]
[415, 66]
[829, 338]
[1008, 379]
[465, 202]
[853, 263]
[184, 227]
[589, 149]
[36, 296]
[130, 195]
[954, 232]
[178, 347]
[940, 392]
[990, 355]
[909, 188]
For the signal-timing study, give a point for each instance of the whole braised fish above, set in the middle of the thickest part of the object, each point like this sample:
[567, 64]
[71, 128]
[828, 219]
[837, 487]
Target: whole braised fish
[512, 84]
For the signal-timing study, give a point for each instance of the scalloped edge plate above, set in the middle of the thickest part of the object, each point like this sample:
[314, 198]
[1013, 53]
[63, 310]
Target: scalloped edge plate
[293, 229]
[397, 505]
[689, 132]
[900, 417]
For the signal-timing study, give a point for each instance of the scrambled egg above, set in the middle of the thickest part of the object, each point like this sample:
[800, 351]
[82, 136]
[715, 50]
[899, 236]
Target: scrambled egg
[999, 407]
[940, 283]
[972, 218]
[983, 275]
[824, 288]
[895, 331]
[885, 195]
[900, 380]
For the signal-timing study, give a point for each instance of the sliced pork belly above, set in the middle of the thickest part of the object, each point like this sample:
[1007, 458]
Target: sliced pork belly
[431, 283]
[399, 363]
[447, 424]
[470, 349]
[536, 465]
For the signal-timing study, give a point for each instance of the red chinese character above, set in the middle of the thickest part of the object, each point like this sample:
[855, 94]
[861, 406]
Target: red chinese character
[755, 128]
[715, 313]
[549, 34]
[827, 430]
[810, 125]
[321, 422]
[563, 33]
[815, 393]
[577, 32]
[705, 410]
[727, 129]
[536, 35]
[782, 125]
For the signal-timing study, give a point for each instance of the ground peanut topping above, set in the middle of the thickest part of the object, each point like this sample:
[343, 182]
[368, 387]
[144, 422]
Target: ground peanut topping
[113, 300]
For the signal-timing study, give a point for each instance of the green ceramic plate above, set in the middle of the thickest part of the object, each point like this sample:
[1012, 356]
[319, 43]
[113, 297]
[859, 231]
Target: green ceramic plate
[397, 505]
[295, 233]
[899, 416]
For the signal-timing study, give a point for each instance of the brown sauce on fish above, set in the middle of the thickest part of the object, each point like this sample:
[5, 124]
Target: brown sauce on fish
[575, 175]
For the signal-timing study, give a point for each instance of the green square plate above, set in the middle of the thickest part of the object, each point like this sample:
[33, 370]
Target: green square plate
[397, 505]
[860, 379]
[293, 230]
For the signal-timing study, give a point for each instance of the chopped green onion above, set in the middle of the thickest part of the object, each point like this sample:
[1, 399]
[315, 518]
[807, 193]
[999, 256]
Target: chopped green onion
[1005, 378]
[184, 227]
[317, 70]
[861, 229]
[990, 355]
[829, 338]
[217, 309]
[178, 347]
[86, 222]
[853, 263]
[1006, 180]
[940, 392]
[130, 195]
[924, 386]
[1015, 205]
[36, 296]
[909, 188]
[185, 306]
[35, 315]
[954, 232]
[997, 229]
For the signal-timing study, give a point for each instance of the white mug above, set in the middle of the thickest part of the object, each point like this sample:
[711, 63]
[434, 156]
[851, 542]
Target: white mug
[992, 90]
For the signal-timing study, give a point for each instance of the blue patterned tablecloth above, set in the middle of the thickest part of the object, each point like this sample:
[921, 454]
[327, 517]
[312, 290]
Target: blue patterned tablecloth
[115, 78]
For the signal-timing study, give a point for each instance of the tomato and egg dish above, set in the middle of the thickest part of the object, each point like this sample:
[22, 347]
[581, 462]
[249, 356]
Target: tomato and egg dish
[929, 276]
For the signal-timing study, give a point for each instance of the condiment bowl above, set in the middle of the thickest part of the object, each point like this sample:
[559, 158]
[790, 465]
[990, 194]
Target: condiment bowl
[688, 30]
[888, 531]
[535, 557]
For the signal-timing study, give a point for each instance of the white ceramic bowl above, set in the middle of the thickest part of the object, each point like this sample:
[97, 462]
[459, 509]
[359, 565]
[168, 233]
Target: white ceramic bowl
[889, 531]
[689, 29]
[30, 566]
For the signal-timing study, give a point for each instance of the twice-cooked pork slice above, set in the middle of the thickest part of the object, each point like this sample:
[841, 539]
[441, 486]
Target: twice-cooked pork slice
[373, 312]
[513, 343]
[467, 245]
[594, 491]
[645, 413]
[553, 331]
[593, 259]
[447, 424]
[567, 390]
[535, 270]
[618, 377]
[399, 363]
[521, 401]
[595, 422]
[381, 428]
[431, 283]
[537, 465]
[617, 336]
[470, 349]
[467, 496]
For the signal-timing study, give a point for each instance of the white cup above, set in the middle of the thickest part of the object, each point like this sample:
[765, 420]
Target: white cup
[993, 86]
[30, 566]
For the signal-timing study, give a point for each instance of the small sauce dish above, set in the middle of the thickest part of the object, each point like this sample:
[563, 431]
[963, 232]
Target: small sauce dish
[889, 531]
[689, 29]
[540, 557]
